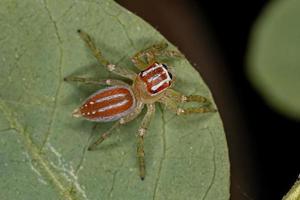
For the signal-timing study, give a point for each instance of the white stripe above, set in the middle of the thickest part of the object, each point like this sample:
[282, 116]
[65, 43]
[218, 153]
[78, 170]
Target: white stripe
[110, 97]
[152, 69]
[156, 76]
[113, 106]
[155, 87]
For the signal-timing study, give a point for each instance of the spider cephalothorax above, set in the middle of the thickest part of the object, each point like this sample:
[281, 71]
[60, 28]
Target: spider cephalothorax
[122, 102]
[152, 82]
[156, 77]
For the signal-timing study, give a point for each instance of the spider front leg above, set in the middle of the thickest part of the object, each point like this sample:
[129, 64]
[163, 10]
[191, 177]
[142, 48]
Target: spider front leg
[102, 60]
[174, 99]
[143, 58]
[141, 133]
[122, 121]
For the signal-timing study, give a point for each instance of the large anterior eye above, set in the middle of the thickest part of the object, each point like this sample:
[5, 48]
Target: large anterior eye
[165, 66]
[171, 76]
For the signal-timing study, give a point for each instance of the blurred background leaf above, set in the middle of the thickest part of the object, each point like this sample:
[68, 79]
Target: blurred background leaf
[274, 59]
[43, 150]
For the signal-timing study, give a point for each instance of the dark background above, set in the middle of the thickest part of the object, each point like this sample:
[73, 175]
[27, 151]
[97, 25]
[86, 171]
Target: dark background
[214, 36]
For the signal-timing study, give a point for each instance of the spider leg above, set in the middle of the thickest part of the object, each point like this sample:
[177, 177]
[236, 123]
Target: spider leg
[173, 99]
[143, 58]
[103, 136]
[204, 108]
[122, 121]
[94, 82]
[97, 53]
[141, 133]
[131, 116]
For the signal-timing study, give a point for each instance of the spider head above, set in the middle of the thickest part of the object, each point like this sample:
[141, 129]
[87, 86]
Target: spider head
[157, 78]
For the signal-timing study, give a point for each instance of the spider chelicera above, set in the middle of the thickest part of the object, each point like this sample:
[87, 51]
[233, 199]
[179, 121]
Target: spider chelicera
[122, 102]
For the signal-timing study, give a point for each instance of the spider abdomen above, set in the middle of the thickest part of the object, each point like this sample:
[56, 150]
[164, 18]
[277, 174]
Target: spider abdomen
[108, 104]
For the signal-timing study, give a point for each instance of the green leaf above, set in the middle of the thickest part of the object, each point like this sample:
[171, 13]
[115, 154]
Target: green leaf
[294, 193]
[43, 149]
[273, 60]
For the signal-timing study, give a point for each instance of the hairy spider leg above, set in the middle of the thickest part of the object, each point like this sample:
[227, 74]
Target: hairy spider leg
[200, 99]
[104, 136]
[173, 99]
[141, 133]
[149, 55]
[122, 121]
[102, 60]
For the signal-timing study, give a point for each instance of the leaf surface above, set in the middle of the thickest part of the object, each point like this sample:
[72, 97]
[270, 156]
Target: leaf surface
[43, 150]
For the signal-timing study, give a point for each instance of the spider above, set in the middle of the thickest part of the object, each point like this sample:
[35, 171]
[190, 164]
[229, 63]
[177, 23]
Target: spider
[122, 103]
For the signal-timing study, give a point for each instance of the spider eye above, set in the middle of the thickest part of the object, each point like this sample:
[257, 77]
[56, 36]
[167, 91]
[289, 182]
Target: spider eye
[165, 66]
[171, 76]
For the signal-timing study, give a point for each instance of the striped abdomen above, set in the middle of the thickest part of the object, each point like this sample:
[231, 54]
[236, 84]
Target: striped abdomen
[108, 104]
[157, 78]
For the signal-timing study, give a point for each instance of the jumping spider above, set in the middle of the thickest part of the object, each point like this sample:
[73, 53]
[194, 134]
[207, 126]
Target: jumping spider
[122, 102]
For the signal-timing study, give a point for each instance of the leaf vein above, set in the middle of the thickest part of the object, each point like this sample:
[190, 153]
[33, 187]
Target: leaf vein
[56, 95]
[214, 167]
[161, 162]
